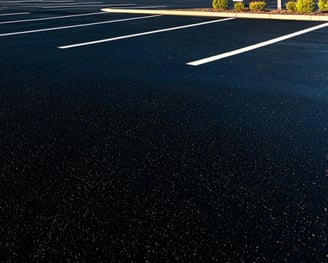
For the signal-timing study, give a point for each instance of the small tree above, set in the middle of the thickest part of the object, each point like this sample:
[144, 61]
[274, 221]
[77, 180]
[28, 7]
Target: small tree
[323, 5]
[239, 6]
[220, 4]
[257, 5]
[304, 6]
[291, 6]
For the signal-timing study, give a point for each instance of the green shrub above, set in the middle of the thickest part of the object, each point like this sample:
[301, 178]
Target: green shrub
[239, 6]
[291, 6]
[257, 6]
[220, 4]
[304, 6]
[323, 5]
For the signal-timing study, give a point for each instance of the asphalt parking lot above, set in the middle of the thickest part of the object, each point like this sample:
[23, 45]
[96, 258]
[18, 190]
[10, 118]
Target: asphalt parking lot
[115, 147]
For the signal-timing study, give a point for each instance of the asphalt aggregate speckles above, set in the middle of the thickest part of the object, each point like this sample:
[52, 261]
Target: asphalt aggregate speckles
[159, 180]
[122, 153]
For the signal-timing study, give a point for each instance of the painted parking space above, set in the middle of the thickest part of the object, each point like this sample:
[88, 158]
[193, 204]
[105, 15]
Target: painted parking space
[143, 33]
[49, 18]
[74, 26]
[30, 24]
[255, 46]
[198, 62]
[117, 150]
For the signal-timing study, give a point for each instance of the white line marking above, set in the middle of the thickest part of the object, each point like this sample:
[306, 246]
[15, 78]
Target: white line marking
[15, 14]
[50, 18]
[71, 6]
[74, 26]
[143, 34]
[9, 2]
[75, 5]
[84, 3]
[255, 46]
[149, 6]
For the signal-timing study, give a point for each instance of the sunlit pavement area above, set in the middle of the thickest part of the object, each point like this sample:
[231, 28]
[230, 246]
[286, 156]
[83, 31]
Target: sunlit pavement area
[114, 147]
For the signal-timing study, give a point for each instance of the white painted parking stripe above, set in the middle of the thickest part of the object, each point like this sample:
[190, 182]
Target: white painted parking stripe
[83, 3]
[255, 46]
[148, 6]
[74, 3]
[74, 26]
[143, 33]
[50, 18]
[63, 1]
[72, 6]
[15, 14]
[78, 5]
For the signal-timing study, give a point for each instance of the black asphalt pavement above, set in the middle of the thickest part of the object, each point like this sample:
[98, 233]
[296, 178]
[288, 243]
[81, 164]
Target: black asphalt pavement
[121, 152]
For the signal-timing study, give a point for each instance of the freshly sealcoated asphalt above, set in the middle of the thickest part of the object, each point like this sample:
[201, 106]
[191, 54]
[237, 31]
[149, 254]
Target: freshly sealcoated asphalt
[120, 152]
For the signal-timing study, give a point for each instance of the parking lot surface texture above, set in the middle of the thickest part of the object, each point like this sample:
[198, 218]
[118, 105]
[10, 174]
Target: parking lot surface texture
[116, 146]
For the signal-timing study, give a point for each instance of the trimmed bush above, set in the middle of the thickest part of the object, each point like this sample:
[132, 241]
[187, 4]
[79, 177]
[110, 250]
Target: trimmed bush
[220, 4]
[257, 6]
[239, 6]
[304, 6]
[291, 6]
[323, 5]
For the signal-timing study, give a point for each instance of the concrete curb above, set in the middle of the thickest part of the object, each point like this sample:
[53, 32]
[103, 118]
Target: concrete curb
[218, 14]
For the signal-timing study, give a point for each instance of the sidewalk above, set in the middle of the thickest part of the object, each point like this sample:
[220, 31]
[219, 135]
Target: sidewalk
[303, 17]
